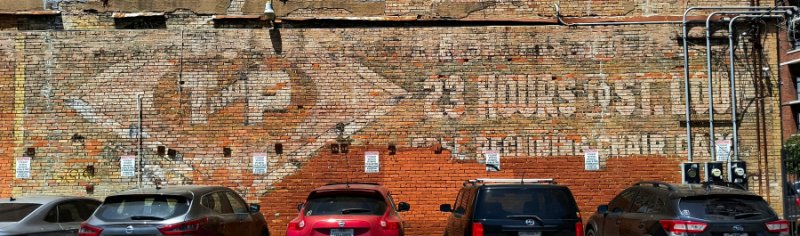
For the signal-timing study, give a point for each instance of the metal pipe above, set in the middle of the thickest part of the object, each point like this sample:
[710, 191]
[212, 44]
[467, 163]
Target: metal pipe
[732, 75]
[686, 63]
[139, 137]
[712, 136]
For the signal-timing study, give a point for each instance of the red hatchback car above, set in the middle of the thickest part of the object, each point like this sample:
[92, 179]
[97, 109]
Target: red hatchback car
[349, 209]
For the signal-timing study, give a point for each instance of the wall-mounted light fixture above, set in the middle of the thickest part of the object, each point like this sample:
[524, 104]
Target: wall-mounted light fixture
[172, 153]
[30, 152]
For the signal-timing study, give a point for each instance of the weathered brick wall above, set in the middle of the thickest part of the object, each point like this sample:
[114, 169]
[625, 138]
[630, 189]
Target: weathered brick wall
[539, 95]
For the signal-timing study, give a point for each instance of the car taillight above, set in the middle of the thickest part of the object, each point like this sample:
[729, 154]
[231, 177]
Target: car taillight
[390, 225]
[681, 227]
[797, 201]
[578, 229]
[187, 227]
[297, 225]
[477, 229]
[89, 230]
[779, 226]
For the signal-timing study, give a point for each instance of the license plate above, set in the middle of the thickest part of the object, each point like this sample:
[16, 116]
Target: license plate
[526, 233]
[341, 232]
[734, 234]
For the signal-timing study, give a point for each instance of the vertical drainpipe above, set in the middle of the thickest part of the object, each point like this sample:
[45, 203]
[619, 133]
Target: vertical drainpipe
[139, 137]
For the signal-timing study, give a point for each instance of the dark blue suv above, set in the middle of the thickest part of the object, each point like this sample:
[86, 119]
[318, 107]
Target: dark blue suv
[513, 207]
[656, 208]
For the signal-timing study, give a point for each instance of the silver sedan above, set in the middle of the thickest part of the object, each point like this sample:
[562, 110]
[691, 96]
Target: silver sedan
[44, 215]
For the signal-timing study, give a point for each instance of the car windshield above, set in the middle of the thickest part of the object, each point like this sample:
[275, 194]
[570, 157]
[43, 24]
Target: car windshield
[526, 203]
[142, 207]
[13, 212]
[345, 203]
[726, 207]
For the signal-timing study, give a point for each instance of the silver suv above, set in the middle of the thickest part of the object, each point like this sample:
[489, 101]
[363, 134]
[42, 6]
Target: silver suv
[176, 210]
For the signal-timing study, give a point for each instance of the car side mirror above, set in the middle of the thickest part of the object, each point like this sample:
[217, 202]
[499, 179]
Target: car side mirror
[403, 206]
[299, 206]
[254, 208]
[602, 209]
[445, 208]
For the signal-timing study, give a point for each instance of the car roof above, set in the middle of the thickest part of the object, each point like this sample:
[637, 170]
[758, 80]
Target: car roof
[352, 186]
[43, 199]
[689, 190]
[181, 190]
[525, 185]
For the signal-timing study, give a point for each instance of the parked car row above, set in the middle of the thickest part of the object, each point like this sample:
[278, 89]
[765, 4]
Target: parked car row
[483, 207]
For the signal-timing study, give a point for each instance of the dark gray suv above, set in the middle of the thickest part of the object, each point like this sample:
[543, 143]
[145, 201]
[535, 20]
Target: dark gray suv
[176, 210]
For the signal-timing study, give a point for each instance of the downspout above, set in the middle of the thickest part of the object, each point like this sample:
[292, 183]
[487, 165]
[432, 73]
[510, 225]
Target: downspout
[686, 63]
[712, 136]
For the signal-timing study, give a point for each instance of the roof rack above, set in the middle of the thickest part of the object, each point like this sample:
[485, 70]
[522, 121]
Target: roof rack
[708, 184]
[509, 181]
[655, 184]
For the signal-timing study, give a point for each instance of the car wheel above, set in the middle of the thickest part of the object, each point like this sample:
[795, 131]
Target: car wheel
[590, 232]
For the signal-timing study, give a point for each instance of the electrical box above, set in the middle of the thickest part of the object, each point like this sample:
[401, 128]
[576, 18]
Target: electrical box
[690, 172]
[738, 173]
[714, 172]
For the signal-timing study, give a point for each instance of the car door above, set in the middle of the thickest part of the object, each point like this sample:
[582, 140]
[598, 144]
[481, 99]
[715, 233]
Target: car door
[218, 203]
[245, 224]
[634, 220]
[613, 218]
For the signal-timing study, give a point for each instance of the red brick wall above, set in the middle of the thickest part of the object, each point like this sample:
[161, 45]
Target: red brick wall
[425, 180]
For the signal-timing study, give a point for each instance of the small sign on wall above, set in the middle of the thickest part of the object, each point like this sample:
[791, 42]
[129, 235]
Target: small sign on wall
[127, 166]
[723, 150]
[259, 163]
[591, 159]
[23, 168]
[372, 162]
[492, 160]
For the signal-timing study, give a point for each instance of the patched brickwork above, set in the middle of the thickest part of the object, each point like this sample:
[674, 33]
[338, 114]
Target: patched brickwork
[538, 94]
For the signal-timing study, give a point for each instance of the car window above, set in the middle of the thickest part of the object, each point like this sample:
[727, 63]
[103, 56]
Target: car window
[144, 207]
[237, 205]
[725, 207]
[52, 215]
[13, 212]
[218, 202]
[69, 212]
[88, 208]
[546, 203]
[463, 200]
[623, 201]
[391, 201]
[345, 203]
[458, 199]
